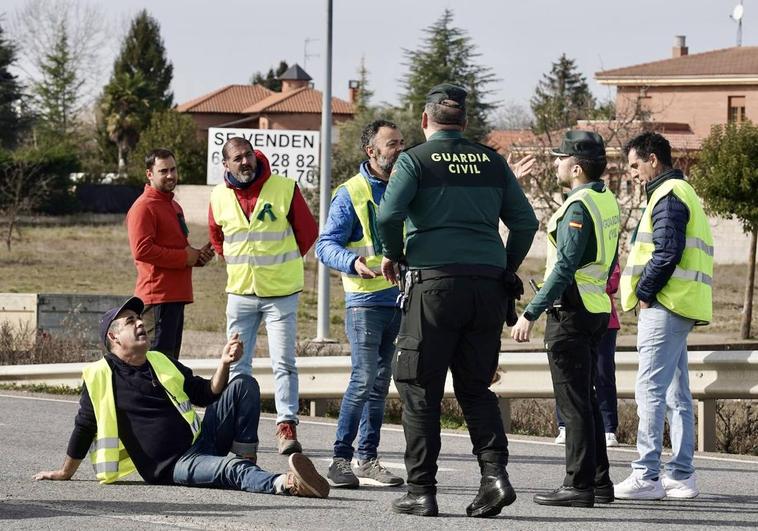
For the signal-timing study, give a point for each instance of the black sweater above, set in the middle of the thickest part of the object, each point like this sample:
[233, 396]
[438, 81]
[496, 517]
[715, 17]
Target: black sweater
[149, 425]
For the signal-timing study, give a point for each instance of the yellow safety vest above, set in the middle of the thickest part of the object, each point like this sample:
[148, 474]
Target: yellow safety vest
[262, 256]
[688, 292]
[362, 199]
[107, 453]
[591, 278]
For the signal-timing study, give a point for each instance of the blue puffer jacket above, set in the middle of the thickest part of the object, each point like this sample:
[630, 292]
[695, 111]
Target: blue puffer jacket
[670, 218]
[342, 226]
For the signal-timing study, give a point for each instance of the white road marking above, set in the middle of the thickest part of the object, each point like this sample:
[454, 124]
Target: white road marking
[746, 461]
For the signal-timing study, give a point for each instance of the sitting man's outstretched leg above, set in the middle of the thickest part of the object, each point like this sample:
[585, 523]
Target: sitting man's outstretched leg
[231, 424]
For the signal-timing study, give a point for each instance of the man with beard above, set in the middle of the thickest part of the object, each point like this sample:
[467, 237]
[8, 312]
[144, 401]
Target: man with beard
[450, 194]
[162, 253]
[350, 244]
[261, 225]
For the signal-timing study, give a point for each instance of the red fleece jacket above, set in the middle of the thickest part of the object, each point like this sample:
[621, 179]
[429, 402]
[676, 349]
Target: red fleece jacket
[157, 238]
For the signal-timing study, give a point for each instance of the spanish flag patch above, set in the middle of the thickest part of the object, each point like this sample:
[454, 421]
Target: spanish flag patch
[575, 225]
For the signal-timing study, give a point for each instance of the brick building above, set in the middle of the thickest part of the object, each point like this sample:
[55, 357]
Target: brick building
[296, 107]
[699, 90]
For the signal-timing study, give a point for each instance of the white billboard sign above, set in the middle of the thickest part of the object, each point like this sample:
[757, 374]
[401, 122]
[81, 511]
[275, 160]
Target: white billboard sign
[293, 154]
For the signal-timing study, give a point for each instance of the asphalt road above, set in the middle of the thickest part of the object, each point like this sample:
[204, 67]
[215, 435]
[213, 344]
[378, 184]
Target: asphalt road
[34, 430]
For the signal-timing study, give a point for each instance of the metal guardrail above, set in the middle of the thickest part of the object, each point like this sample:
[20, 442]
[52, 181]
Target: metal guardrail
[713, 375]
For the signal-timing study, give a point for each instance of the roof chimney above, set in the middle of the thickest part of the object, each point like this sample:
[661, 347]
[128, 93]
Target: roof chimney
[680, 48]
[354, 88]
[294, 78]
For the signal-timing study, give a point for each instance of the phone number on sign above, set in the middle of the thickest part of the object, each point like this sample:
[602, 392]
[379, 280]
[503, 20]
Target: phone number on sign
[300, 167]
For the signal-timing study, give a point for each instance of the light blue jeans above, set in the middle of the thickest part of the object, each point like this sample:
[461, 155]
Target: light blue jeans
[243, 315]
[663, 390]
[372, 332]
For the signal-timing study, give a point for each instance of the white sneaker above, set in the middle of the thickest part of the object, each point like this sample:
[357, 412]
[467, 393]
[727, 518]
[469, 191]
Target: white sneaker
[680, 488]
[637, 488]
[561, 439]
[610, 440]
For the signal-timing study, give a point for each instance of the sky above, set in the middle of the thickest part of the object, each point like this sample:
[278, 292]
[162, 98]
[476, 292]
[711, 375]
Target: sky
[212, 44]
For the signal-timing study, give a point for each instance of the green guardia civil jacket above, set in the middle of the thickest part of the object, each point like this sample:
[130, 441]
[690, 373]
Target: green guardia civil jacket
[451, 193]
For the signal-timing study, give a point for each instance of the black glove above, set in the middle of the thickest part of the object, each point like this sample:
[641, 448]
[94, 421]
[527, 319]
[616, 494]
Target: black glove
[514, 289]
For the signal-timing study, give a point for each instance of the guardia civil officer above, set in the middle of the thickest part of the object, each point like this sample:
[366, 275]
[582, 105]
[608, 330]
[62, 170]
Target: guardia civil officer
[453, 193]
[582, 242]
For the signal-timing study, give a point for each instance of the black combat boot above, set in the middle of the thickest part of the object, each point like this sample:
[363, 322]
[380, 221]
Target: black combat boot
[495, 492]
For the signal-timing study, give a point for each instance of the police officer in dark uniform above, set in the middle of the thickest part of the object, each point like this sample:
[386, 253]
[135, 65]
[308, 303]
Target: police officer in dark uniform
[451, 194]
[582, 243]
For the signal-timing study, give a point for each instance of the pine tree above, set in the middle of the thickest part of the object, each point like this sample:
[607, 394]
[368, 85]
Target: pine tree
[270, 80]
[142, 51]
[139, 86]
[447, 55]
[10, 95]
[58, 93]
[562, 97]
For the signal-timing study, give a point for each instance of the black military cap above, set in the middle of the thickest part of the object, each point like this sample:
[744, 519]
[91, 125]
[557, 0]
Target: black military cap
[582, 144]
[447, 94]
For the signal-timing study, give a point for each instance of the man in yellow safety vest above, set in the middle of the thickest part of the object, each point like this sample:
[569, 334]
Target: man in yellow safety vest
[136, 414]
[669, 274]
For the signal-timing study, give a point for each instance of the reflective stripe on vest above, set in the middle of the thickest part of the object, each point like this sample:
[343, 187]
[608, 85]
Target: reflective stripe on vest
[261, 254]
[107, 453]
[592, 278]
[359, 190]
[689, 290]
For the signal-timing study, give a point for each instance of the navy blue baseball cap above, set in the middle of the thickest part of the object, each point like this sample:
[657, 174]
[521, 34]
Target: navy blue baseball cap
[132, 303]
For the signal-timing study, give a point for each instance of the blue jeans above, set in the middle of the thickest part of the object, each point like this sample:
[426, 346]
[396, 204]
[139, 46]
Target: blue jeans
[663, 389]
[243, 315]
[230, 424]
[371, 332]
[604, 382]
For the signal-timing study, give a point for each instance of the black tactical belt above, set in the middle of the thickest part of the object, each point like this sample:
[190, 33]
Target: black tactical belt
[457, 270]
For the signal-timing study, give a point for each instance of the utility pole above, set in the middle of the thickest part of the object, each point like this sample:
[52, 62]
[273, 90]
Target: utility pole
[325, 182]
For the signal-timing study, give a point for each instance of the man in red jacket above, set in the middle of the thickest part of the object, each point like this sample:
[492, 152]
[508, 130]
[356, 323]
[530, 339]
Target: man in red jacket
[162, 254]
[262, 226]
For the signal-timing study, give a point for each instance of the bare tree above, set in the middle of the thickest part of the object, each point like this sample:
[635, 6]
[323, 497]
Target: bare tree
[37, 26]
[22, 188]
[512, 116]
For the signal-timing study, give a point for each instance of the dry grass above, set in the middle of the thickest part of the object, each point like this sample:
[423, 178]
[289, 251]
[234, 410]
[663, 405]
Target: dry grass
[96, 259]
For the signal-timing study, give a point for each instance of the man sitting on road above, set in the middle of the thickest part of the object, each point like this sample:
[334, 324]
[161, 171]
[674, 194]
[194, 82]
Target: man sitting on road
[136, 406]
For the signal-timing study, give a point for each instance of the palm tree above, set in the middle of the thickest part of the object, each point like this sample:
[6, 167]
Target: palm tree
[124, 102]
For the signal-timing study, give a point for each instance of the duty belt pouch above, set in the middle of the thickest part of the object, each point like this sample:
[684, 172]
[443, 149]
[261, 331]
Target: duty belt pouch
[407, 363]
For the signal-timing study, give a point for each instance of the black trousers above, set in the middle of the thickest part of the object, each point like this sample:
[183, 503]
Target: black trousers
[455, 323]
[572, 338]
[164, 324]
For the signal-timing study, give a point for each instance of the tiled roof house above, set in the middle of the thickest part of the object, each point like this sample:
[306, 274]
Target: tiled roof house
[297, 106]
[700, 90]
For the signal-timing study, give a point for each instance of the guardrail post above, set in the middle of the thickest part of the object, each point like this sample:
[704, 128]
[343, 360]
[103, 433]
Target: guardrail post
[318, 408]
[706, 425]
[505, 413]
